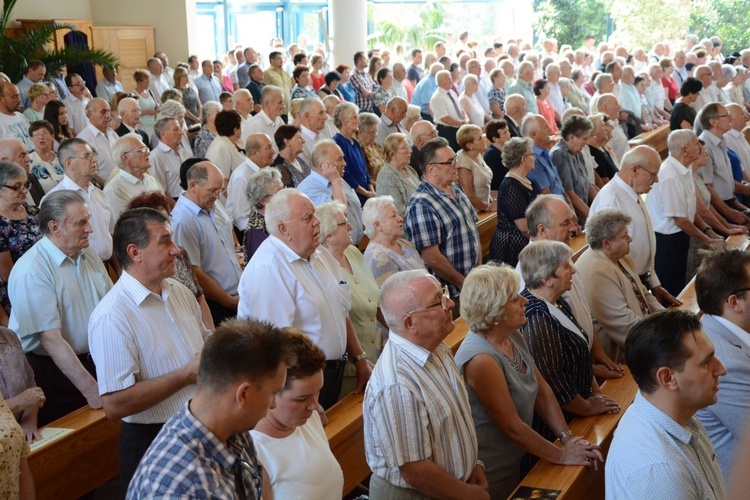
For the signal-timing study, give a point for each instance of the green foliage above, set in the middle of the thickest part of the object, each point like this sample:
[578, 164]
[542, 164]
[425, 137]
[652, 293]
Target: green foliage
[421, 31]
[645, 22]
[727, 19]
[570, 21]
[16, 52]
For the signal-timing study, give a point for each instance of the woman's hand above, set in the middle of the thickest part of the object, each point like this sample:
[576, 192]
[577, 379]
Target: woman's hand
[578, 451]
[602, 404]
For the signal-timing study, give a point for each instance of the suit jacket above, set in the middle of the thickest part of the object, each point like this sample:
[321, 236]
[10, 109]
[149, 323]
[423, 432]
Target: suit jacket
[613, 302]
[123, 129]
[414, 161]
[725, 420]
[36, 190]
[513, 127]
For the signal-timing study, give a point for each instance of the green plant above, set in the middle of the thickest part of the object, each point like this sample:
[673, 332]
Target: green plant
[16, 52]
[570, 21]
[422, 30]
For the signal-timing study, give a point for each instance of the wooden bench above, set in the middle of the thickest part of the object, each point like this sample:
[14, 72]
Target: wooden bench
[656, 138]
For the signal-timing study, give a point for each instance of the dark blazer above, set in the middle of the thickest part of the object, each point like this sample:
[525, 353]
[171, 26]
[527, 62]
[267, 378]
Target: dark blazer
[36, 190]
[123, 129]
[513, 127]
[414, 161]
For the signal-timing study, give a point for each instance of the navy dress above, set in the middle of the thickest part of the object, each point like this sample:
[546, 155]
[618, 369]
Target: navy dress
[513, 198]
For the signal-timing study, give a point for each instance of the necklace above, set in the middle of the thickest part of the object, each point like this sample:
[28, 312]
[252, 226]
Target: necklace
[538, 296]
[516, 362]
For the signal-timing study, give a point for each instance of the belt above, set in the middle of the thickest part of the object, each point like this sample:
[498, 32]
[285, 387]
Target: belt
[335, 364]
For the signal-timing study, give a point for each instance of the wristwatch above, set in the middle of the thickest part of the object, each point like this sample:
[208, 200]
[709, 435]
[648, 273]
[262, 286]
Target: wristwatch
[359, 358]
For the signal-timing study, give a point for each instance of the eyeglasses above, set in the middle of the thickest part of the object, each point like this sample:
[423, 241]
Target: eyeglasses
[449, 162]
[654, 176]
[443, 302]
[142, 149]
[528, 154]
[19, 187]
[211, 192]
[87, 156]
[721, 116]
[42, 133]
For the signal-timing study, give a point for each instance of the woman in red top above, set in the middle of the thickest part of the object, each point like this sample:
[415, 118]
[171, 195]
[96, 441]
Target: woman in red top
[317, 76]
[670, 86]
[541, 91]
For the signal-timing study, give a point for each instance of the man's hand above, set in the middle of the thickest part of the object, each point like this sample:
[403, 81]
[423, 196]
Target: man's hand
[663, 296]
[478, 478]
[364, 371]
[190, 369]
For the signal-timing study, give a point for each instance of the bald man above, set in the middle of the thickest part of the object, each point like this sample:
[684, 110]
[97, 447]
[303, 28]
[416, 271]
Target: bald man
[515, 110]
[421, 132]
[260, 154]
[390, 122]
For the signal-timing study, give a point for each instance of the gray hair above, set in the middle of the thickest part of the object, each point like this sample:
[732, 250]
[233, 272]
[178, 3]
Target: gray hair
[279, 209]
[367, 121]
[514, 151]
[728, 71]
[10, 171]
[397, 296]
[170, 109]
[372, 212]
[530, 124]
[320, 152]
[485, 293]
[604, 225]
[268, 93]
[55, 208]
[343, 111]
[122, 146]
[198, 172]
[537, 213]
[326, 213]
[162, 124]
[678, 139]
[308, 103]
[91, 105]
[540, 260]
[258, 185]
[210, 108]
[67, 149]
[469, 78]
[640, 156]
[241, 95]
[564, 83]
[601, 79]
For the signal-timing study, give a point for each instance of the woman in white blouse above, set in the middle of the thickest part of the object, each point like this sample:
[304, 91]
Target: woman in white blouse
[470, 103]
[290, 441]
[473, 173]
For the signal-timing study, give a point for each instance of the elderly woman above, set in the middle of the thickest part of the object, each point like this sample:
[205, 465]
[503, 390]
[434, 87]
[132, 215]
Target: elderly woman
[578, 96]
[473, 173]
[498, 134]
[19, 226]
[571, 165]
[566, 89]
[317, 77]
[617, 298]
[600, 136]
[542, 91]
[261, 186]
[189, 96]
[368, 132]
[365, 292]
[382, 93]
[289, 162]
[302, 88]
[183, 270]
[331, 84]
[345, 87]
[38, 95]
[556, 341]
[224, 150]
[397, 179]
[355, 174]
[411, 117]
[56, 114]
[388, 252]
[734, 88]
[496, 94]
[514, 196]
[16, 480]
[469, 102]
[683, 114]
[208, 132]
[505, 386]
[146, 100]
[44, 164]
[290, 441]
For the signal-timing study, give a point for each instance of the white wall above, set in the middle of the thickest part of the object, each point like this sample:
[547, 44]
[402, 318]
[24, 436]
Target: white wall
[51, 9]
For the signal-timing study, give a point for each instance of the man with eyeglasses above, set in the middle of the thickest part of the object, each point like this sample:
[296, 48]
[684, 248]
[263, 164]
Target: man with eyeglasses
[14, 150]
[420, 441]
[440, 221]
[203, 227]
[76, 102]
[132, 179]
[390, 122]
[671, 205]
[168, 156]
[205, 447]
[130, 116]
[13, 123]
[421, 132]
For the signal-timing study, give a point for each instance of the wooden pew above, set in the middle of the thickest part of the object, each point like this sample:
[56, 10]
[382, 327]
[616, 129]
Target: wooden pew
[656, 138]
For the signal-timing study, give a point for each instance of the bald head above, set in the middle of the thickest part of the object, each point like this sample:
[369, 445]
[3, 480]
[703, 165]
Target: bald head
[515, 106]
[402, 293]
[421, 132]
[14, 150]
[395, 110]
[260, 150]
[738, 116]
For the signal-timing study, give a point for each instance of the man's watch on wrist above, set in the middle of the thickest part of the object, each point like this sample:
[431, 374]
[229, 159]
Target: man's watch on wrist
[359, 358]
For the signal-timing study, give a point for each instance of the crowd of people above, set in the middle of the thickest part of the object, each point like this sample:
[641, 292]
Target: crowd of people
[234, 246]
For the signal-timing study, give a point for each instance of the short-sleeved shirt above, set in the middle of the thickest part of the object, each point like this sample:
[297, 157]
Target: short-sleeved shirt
[50, 290]
[103, 142]
[124, 187]
[207, 238]
[165, 167]
[545, 175]
[673, 196]
[319, 190]
[525, 90]
[717, 171]
[423, 93]
[16, 126]
[209, 88]
[572, 170]
[436, 218]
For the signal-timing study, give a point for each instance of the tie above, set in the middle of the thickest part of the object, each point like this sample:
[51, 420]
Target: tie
[455, 105]
[641, 299]
[649, 226]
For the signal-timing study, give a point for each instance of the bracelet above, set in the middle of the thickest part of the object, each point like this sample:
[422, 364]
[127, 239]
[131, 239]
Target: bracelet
[706, 229]
[359, 358]
[481, 464]
[565, 435]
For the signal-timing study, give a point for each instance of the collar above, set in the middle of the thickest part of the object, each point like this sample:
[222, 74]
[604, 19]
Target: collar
[388, 122]
[57, 255]
[69, 184]
[417, 353]
[715, 140]
[315, 176]
[250, 164]
[626, 188]
[737, 331]
[289, 255]
[139, 293]
[265, 118]
[540, 151]
[129, 177]
[734, 133]
[679, 167]
[96, 131]
[191, 206]
[215, 449]
[307, 133]
[163, 147]
[657, 417]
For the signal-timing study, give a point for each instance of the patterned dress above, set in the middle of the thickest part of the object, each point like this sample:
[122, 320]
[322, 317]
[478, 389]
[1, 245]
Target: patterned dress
[16, 237]
[202, 142]
[384, 261]
[512, 201]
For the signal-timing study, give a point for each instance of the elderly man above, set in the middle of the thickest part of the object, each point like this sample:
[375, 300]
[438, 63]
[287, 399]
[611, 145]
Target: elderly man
[638, 173]
[13, 123]
[76, 102]
[420, 132]
[721, 287]
[206, 446]
[244, 104]
[168, 156]
[260, 154]
[168, 72]
[656, 92]
[132, 157]
[609, 105]
[362, 83]
[446, 112]
[54, 287]
[629, 96]
[399, 75]
[204, 229]
[255, 85]
[208, 85]
[145, 335]
[661, 449]
[14, 150]
[80, 164]
[671, 205]
[735, 139]
[545, 174]
[99, 135]
[35, 71]
[390, 122]
[515, 110]
[326, 183]
[158, 78]
[130, 118]
[313, 118]
[109, 86]
[412, 393]
[303, 288]
[424, 90]
[705, 75]
[276, 76]
[555, 97]
[268, 119]
[523, 86]
[474, 67]
[440, 221]
[330, 102]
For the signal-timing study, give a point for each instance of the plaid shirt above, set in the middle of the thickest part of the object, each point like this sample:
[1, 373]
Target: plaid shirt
[186, 460]
[435, 218]
[363, 82]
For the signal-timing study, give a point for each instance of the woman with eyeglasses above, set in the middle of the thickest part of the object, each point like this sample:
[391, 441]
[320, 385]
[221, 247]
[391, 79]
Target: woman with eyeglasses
[56, 114]
[397, 178]
[290, 441]
[514, 196]
[365, 292]
[474, 175]
[44, 163]
[19, 226]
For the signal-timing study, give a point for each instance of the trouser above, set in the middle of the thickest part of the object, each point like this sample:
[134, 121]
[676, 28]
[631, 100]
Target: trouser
[382, 489]
[426, 116]
[670, 261]
[333, 379]
[134, 441]
[219, 313]
[62, 396]
[449, 134]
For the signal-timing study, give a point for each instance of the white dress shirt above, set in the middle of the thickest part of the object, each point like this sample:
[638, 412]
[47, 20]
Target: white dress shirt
[238, 205]
[673, 196]
[736, 142]
[442, 105]
[310, 138]
[555, 98]
[103, 142]
[618, 142]
[165, 167]
[262, 124]
[245, 124]
[123, 187]
[76, 112]
[159, 84]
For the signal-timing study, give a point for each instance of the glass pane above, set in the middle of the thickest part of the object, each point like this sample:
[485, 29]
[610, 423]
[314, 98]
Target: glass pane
[254, 29]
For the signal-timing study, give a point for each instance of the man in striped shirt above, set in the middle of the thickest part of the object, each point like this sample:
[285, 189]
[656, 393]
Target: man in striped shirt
[145, 336]
[419, 434]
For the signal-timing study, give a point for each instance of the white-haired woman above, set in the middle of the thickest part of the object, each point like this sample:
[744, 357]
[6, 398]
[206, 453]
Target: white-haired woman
[504, 384]
[365, 292]
[355, 174]
[261, 186]
[207, 133]
[470, 103]
[411, 117]
[397, 178]
[388, 252]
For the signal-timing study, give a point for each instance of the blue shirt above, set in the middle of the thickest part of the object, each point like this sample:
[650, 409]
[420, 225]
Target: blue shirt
[525, 89]
[545, 174]
[23, 89]
[423, 93]
[186, 460]
[347, 91]
[320, 191]
[207, 238]
[355, 172]
[209, 89]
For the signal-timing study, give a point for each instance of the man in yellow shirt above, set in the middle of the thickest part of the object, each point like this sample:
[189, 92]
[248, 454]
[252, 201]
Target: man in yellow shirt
[275, 75]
